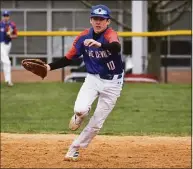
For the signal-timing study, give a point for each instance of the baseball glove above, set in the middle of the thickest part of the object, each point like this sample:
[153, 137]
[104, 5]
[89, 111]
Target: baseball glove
[36, 66]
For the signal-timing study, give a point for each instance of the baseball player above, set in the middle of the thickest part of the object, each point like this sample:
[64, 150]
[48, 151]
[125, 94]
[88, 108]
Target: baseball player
[8, 31]
[100, 48]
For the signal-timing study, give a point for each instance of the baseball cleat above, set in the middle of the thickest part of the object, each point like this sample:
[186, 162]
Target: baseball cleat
[75, 122]
[9, 84]
[71, 156]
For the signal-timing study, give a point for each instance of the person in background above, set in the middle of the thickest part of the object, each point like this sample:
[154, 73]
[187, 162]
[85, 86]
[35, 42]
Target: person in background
[8, 31]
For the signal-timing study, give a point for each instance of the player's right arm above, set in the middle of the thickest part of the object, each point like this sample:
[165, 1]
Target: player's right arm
[74, 52]
[113, 44]
[13, 30]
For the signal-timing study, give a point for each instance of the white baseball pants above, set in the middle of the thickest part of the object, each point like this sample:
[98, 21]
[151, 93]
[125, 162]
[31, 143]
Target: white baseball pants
[5, 50]
[107, 92]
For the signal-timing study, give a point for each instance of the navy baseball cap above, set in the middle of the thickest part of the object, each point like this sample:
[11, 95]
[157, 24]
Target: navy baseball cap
[100, 11]
[6, 13]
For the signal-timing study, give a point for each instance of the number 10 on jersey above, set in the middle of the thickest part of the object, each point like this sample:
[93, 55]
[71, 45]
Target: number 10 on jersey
[111, 65]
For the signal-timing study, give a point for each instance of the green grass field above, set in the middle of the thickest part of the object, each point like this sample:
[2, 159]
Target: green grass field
[142, 109]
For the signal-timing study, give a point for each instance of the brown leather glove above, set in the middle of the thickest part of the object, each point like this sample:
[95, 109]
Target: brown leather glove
[36, 66]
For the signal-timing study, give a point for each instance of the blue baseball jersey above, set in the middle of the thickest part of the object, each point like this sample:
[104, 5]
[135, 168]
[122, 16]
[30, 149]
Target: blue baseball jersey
[4, 27]
[97, 60]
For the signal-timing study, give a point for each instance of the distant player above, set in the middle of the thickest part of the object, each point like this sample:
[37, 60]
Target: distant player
[8, 31]
[100, 48]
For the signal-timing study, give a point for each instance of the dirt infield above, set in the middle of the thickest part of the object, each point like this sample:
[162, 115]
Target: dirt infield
[181, 76]
[47, 151]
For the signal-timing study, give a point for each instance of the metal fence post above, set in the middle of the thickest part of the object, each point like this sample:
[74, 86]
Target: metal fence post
[165, 70]
[62, 74]
[165, 66]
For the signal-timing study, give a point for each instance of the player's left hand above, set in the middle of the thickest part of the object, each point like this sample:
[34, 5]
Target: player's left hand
[92, 43]
[10, 31]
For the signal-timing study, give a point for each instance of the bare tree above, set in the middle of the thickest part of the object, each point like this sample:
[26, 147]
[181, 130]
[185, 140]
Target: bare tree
[155, 23]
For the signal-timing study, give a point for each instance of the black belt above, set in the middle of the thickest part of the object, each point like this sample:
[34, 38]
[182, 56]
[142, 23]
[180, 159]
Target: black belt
[110, 77]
